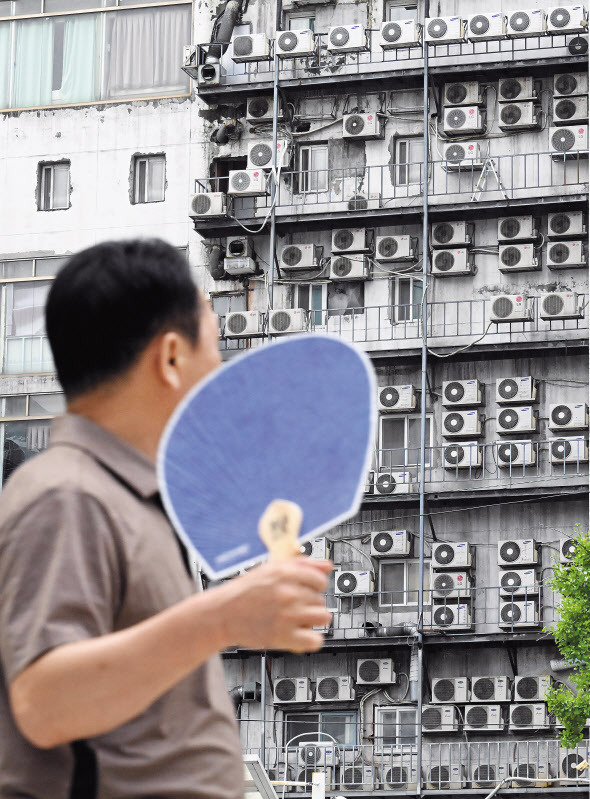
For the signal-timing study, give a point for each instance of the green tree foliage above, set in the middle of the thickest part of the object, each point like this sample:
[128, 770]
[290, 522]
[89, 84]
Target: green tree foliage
[572, 636]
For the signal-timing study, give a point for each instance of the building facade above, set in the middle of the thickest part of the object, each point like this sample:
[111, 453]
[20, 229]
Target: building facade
[411, 178]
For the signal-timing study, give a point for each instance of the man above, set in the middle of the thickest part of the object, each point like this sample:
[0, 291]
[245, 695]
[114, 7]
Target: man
[112, 684]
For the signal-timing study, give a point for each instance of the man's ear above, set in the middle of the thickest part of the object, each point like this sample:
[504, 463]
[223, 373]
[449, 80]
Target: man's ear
[168, 355]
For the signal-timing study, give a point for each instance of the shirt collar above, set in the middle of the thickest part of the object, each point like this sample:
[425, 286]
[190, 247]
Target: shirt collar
[129, 464]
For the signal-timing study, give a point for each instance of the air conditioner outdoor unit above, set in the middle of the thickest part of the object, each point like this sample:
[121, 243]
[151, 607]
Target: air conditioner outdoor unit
[362, 126]
[531, 688]
[350, 267]
[239, 266]
[260, 109]
[490, 689]
[394, 399]
[294, 44]
[568, 141]
[517, 228]
[394, 483]
[317, 549]
[299, 257]
[532, 772]
[488, 775]
[461, 392]
[517, 420]
[334, 689]
[445, 777]
[568, 416]
[486, 26]
[518, 116]
[260, 154]
[462, 93]
[450, 263]
[466, 455]
[568, 84]
[305, 775]
[250, 47]
[391, 544]
[461, 423]
[350, 240]
[281, 773]
[244, 324]
[247, 182]
[359, 777]
[570, 449]
[375, 671]
[566, 223]
[451, 234]
[395, 248]
[511, 89]
[531, 716]
[567, 550]
[444, 30]
[567, 19]
[517, 258]
[451, 556]
[560, 305]
[401, 33]
[318, 753]
[349, 583]
[207, 204]
[449, 585]
[463, 156]
[347, 39]
[522, 552]
[483, 718]
[440, 718]
[569, 759]
[565, 254]
[567, 110]
[513, 390]
[530, 22]
[465, 119]
[450, 617]
[403, 773]
[209, 74]
[363, 201]
[292, 689]
[238, 247]
[518, 614]
[511, 308]
[518, 582]
[450, 689]
[517, 453]
[287, 320]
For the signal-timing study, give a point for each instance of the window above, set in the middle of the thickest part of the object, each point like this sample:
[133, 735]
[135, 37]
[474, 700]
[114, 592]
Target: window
[311, 297]
[91, 56]
[398, 582]
[313, 168]
[342, 726]
[406, 298]
[346, 298]
[149, 178]
[395, 727]
[301, 22]
[26, 346]
[54, 186]
[408, 158]
[396, 9]
[399, 441]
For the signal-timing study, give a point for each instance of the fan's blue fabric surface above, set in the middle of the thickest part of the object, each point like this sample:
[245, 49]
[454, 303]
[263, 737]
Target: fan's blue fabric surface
[291, 420]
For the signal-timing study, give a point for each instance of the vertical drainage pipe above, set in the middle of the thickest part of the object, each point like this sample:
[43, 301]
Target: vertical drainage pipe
[424, 321]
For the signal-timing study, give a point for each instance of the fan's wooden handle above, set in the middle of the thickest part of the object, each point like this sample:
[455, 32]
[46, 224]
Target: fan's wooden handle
[279, 528]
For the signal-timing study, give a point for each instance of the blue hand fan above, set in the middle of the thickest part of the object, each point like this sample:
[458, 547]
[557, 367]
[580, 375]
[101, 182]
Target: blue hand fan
[292, 420]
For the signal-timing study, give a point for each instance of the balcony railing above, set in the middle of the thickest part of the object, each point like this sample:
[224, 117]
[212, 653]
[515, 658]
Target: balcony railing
[380, 187]
[449, 324]
[324, 65]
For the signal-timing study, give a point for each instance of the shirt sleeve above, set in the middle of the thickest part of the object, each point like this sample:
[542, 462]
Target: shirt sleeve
[61, 577]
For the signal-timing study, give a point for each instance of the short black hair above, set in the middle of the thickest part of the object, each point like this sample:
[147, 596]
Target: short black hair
[109, 301]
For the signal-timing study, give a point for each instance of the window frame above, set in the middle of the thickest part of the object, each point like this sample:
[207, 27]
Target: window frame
[46, 168]
[414, 278]
[301, 15]
[323, 715]
[304, 179]
[138, 161]
[406, 417]
[397, 748]
[406, 563]
[406, 163]
[316, 316]
[389, 4]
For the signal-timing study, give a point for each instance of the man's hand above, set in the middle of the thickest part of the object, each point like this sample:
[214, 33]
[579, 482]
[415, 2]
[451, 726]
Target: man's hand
[275, 606]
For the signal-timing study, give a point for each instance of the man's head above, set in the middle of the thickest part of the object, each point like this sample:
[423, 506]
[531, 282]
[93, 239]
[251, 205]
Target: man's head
[120, 305]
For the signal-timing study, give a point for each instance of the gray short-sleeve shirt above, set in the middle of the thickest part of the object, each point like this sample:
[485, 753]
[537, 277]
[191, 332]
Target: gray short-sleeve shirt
[86, 549]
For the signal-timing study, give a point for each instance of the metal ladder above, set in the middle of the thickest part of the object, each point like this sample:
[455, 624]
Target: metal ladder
[480, 186]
